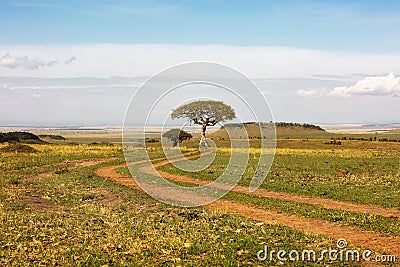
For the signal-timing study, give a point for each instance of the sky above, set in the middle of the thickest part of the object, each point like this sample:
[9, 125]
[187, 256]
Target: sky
[80, 62]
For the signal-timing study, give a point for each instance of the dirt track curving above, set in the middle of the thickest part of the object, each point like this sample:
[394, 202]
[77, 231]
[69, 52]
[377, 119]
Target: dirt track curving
[324, 202]
[364, 238]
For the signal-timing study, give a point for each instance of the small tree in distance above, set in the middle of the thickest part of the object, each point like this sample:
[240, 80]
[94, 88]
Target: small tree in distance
[204, 113]
[176, 135]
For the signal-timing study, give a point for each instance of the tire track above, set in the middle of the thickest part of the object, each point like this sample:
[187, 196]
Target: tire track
[323, 202]
[365, 238]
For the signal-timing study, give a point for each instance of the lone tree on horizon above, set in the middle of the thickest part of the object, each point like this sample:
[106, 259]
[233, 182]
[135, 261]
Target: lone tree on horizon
[204, 113]
[177, 135]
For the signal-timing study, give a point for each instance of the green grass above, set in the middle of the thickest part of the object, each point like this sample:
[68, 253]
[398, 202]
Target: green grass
[52, 153]
[75, 218]
[90, 221]
[303, 171]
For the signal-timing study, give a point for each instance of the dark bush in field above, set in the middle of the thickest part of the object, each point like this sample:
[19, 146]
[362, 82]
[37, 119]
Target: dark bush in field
[152, 140]
[177, 135]
[3, 138]
[333, 142]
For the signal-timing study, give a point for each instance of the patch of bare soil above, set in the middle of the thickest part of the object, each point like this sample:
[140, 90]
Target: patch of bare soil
[39, 176]
[40, 204]
[109, 173]
[90, 162]
[106, 198]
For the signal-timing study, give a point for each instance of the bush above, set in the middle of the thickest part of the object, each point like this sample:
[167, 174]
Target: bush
[177, 135]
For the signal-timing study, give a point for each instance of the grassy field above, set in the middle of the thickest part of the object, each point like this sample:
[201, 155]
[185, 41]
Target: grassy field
[358, 171]
[56, 211]
[75, 218]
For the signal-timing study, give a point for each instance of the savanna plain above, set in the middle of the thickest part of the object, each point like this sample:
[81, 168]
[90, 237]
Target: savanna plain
[74, 202]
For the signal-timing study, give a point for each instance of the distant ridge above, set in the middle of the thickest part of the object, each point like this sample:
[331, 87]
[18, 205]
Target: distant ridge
[283, 130]
[20, 137]
[382, 125]
[277, 125]
[394, 131]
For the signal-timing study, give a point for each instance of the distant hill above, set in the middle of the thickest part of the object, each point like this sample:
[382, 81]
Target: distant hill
[20, 137]
[382, 125]
[394, 131]
[53, 137]
[283, 130]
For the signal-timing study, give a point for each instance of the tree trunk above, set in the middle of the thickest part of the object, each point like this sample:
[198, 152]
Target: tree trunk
[175, 142]
[203, 140]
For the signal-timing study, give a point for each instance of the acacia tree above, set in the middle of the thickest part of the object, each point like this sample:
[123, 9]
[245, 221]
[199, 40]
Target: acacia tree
[177, 135]
[204, 113]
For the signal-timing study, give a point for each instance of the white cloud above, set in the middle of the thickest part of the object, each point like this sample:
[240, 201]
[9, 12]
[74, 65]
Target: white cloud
[133, 60]
[84, 84]
[13, 62]
[70, 60]
[380, 85]
[51, 63]
[303, 92]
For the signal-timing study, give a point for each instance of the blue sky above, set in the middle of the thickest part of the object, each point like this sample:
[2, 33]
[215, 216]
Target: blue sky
[314, 61]
[327, 25]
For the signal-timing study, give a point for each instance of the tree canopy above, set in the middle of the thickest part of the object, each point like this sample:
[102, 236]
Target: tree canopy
[176, 135]
[204, 112]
